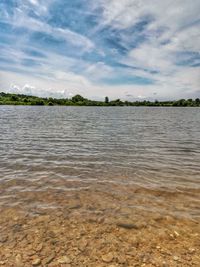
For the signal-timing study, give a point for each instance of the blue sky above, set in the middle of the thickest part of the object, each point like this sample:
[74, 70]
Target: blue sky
[130, 49]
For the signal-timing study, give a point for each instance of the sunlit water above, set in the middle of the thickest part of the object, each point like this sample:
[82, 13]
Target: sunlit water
[43, 147]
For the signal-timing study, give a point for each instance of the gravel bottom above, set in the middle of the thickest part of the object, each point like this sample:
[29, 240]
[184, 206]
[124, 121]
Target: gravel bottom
[136, 227]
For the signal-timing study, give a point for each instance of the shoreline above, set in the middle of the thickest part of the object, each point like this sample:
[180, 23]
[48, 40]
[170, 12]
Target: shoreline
[21, 105]
[78, 100]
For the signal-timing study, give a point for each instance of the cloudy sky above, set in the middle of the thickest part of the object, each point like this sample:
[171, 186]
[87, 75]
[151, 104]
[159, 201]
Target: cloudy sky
[130, 49]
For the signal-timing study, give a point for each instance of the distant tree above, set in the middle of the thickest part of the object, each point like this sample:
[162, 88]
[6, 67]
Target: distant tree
[116, 102]
[40, 102]
[14, 98]
[51, 99]
[127, 103]
[2, 94]
[106, 100]
[181, 102]
[197, 101]
[77, 98]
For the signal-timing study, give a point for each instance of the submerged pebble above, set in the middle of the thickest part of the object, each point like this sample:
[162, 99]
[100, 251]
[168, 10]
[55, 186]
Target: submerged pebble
[108, 257]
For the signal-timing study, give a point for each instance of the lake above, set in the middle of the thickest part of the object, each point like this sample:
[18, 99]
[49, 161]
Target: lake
[44, 147]
[91, 186]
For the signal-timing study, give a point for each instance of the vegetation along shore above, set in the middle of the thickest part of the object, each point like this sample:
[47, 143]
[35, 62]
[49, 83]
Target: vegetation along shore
[78, 100]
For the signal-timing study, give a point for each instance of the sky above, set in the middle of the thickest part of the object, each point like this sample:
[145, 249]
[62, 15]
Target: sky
[130, 49]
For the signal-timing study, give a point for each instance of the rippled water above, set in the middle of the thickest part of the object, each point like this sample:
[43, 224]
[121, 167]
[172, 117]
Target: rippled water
[148, 146]
[41, 147]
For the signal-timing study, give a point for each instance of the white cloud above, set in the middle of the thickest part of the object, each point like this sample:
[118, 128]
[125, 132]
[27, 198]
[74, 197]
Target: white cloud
[169, 13]
[98, 71]
[173, 29]
[21, 19]
[150, 56]
[34, 2]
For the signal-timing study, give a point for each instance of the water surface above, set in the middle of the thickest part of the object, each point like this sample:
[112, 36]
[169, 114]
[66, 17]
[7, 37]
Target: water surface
[72, 148]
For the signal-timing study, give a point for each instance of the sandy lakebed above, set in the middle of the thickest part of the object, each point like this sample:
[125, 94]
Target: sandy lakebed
[101, 227]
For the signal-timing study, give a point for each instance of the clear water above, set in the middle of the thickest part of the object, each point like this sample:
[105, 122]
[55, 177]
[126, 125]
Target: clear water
[40, 147]
[75, 174]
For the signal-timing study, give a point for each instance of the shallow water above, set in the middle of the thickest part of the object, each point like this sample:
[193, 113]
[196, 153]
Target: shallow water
[67, 149]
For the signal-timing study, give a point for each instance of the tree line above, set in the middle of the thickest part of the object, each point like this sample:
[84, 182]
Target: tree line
[78, 100]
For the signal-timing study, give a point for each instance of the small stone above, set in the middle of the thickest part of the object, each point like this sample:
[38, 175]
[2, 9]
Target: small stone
[74, 206]
[30, 253]
[3, 238]
[175, 258]
[36, 262]
[64, 259]
[127, 225]
[176, 234]
[17, 227]
[18, 260]
[49, 259]
[121, 259]
[107, 257]
[100, 220]
[2, 262]
[191, 250]
[82, 245]
[39, 247]
[146, 258]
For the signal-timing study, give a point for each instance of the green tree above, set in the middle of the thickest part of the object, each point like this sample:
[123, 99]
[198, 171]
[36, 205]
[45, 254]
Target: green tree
[14, 98]
[117, 102]
[77, 98]
[39, 102]
[106, 100]
[197, 102]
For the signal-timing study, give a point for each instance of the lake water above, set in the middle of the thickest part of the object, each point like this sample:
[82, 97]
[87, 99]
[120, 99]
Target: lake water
[99, 185]
[72, 148]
